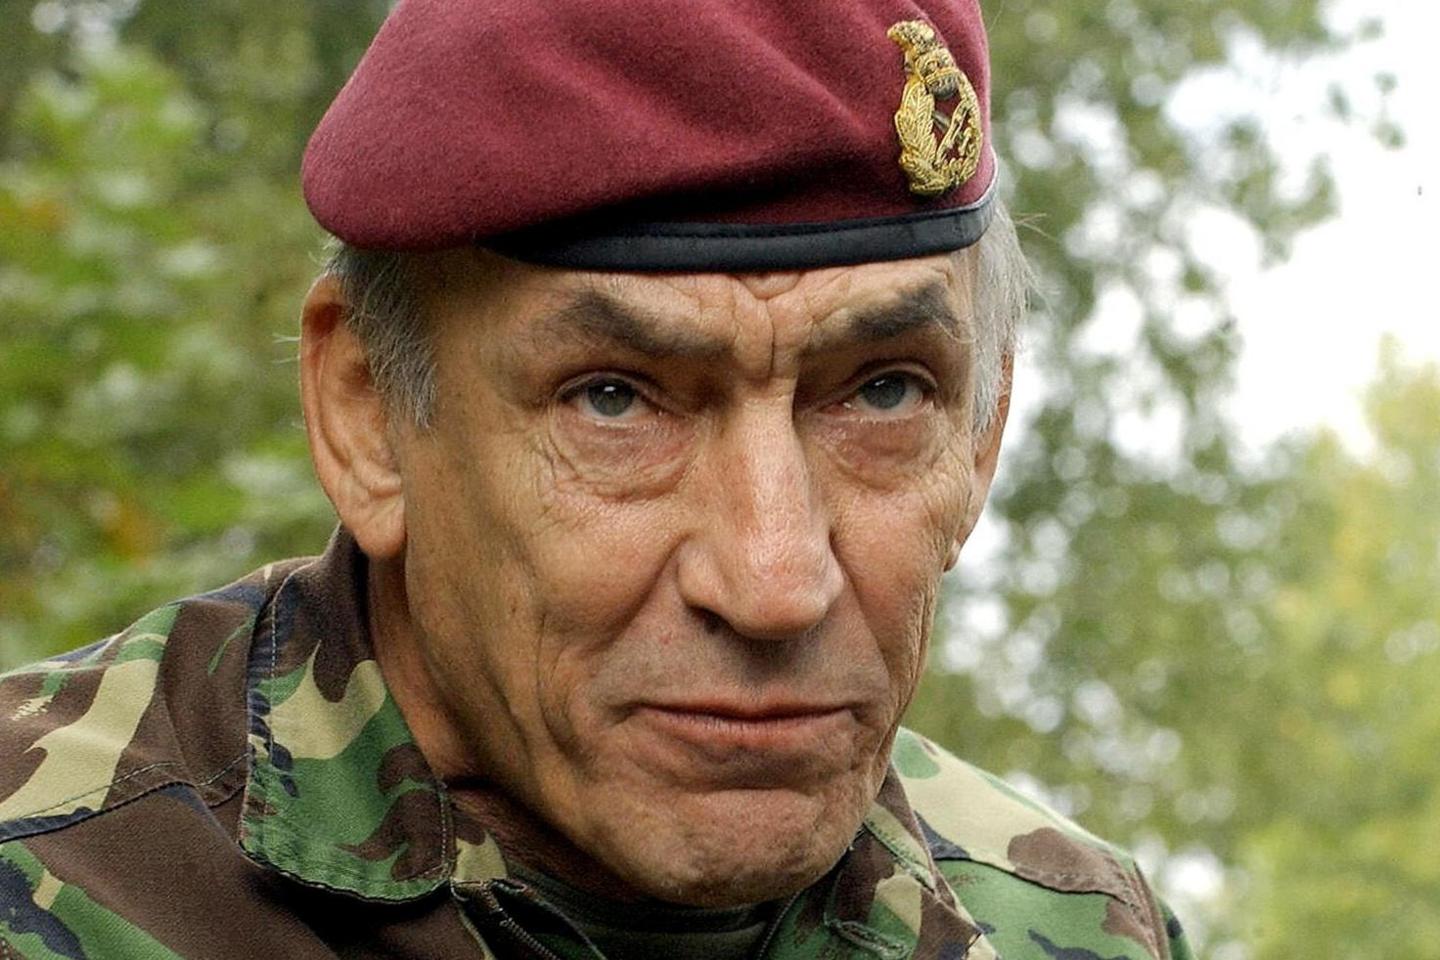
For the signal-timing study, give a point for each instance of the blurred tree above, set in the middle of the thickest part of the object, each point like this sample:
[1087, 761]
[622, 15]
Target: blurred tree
[1341, 809]
[1262, 689]
[1130, 645]
[1127, 599]
[148, 437]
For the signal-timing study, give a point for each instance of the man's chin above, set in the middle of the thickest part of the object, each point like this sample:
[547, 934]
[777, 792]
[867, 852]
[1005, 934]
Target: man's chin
[731, 847]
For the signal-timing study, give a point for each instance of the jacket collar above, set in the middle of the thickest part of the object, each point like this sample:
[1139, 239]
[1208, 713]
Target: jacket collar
[885, 899]
[339, 796]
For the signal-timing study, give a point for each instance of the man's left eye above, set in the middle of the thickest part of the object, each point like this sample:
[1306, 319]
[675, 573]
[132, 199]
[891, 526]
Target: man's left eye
[607, 398]
[893, 393]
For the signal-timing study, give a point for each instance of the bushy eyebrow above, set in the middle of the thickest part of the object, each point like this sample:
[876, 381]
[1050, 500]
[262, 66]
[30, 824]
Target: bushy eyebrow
[909, 311]
[596, 315]
[599, 316]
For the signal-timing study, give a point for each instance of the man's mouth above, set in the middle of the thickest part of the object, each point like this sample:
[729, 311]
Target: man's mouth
[775, 740]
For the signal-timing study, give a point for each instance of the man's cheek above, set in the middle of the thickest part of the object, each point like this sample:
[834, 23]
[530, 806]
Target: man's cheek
[899, 585]
[898, 544]
[945, 494]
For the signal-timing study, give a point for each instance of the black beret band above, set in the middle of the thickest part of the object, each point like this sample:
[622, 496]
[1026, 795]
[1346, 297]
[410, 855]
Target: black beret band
[738, 248]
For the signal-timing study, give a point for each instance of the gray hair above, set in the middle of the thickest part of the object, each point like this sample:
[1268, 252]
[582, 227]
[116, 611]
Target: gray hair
[1003, 282]
[385, 312]
[383, 309]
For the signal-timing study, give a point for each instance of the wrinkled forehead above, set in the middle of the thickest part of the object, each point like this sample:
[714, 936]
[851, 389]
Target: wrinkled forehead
[816, 294]
[692, 313]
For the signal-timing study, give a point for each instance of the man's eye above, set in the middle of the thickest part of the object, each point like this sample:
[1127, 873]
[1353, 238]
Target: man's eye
[892, 393]
[606, 399]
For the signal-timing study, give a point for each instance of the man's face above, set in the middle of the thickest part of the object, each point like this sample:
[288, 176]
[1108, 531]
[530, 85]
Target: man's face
[673, 545]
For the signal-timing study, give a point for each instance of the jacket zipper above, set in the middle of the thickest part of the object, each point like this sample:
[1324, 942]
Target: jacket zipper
[526, 939]
[496, 916]
[774, 930]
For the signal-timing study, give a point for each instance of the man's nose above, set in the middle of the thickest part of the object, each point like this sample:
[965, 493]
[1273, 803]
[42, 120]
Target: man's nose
[761, 557]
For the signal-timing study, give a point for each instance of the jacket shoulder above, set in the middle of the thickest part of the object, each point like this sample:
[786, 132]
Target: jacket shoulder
[87, 730]
[971, 814]
[1031, 875]
[67, 722]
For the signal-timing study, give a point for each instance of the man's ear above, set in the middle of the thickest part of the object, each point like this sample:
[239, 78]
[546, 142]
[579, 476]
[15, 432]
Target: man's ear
[351, 443]
[987, 455]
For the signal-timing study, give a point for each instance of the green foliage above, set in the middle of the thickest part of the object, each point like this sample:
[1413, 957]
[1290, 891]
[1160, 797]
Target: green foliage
[1202, 658]
[1254, 680]
[1347, 849]
[1122, 647]
[147, 423]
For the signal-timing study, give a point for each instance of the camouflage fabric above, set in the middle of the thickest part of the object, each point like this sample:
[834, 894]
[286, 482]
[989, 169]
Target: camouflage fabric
[230, 778]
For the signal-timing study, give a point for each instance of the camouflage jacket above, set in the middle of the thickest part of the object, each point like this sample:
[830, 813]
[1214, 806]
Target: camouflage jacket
[230, 778]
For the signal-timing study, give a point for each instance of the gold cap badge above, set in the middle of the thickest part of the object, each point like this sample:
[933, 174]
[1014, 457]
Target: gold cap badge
[935, 164]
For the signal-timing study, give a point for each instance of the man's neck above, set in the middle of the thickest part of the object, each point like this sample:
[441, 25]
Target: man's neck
[534, 845]
[640, 930]
[398, 647]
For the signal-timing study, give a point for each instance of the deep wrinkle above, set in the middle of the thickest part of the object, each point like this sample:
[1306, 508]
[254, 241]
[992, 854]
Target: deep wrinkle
[790, 562]
[594, 316]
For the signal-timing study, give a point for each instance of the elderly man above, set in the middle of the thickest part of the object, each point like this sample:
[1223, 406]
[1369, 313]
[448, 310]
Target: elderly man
[658, 375]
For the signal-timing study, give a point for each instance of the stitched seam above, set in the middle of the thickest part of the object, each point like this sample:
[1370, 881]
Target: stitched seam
[1135, 912]
[1125, 895]
[225, 797]
[263, 823]
[868, 939]
[1121, 891]
[1148, 927]
[131, 775]
[141, 795]
[99, 789]
[234, 762]
[1058, 875]
[1147, 923]
[1043, 878]
[900, 854]
[343, 891]
[1133, 902]
[445, 865]
[358, 879]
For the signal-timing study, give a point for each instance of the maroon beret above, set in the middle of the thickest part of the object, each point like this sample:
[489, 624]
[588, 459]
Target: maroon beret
[662, 135]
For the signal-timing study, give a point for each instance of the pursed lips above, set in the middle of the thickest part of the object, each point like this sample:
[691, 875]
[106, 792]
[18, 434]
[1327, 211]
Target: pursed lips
[725, 731]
